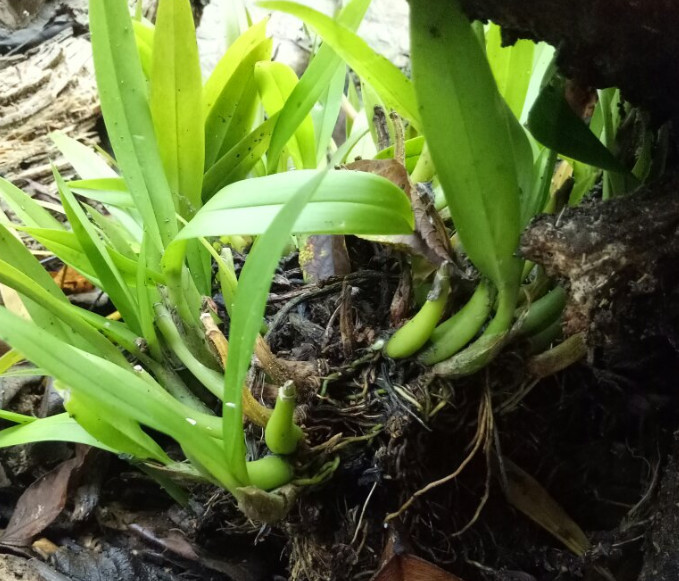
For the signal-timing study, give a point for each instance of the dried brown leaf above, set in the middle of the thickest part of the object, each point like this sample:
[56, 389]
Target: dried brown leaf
[324, 256]
[411, 568]
[71, 281]
[528, 496]
[43, 501]
[430, 238]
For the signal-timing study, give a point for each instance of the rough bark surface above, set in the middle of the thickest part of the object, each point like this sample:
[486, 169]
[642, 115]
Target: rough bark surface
[625, 43]
[616, 258]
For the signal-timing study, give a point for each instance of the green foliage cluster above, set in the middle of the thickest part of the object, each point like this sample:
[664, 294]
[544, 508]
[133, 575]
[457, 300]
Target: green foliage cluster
[198, 160]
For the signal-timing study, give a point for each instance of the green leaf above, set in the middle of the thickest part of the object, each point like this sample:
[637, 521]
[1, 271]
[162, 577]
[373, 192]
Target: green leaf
[147, 295]
[9, 359]
[463, 112]
[59, 428]
[25, 372]
[109, 191]
[120, 433]
[44, 300]
[57, 316]
[87, 164]
[320, 74]
[248, 310]
[346, 149]
[226, 66]
[26, 209]
[542, 65]
[512, 67]
[390, 83]
[413, 148]
[16, 418]
[239, 161]
[347, 203]
[64, 244]
[536, 200]
[331, 104]
[120, 392]
[554, 124]
[113, 232]
[176, 98]
[227, 87]
[96, 251]
[124, 104]
[276, 82]
[143, 35]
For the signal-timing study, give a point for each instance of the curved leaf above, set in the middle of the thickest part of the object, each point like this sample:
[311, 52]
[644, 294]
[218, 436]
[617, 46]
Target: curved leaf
[347, 203]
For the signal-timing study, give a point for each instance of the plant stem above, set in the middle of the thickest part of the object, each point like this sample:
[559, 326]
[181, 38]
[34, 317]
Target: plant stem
[504, 315]
[280, 434]
[416, 332]
[424, 169]
[174, 385]
[453, 334]
[212, 380]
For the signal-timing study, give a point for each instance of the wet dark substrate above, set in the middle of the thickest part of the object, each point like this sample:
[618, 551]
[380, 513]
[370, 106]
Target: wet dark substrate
[596, 437]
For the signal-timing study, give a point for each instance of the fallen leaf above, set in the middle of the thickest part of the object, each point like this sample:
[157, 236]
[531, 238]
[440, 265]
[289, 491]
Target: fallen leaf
[412, 568]
[399, 564]
[528, 496]
[71, 281]
[323, 256]
[430, 238]
[43, 501]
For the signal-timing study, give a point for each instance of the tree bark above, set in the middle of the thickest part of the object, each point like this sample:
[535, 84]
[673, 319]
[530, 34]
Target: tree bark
[629, 44]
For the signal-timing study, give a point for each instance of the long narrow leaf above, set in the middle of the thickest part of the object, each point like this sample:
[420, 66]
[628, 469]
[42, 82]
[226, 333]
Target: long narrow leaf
[248, 310]
[112, 191]
[221, 127]
[276, 81]
[176, 99]
[27, 210]
[87, 164]
[43, 299]
[59, 428]
[392, 85]
[331, 103]
[119, 391]
[512, 67]
[64, 245]
[462, 112]
[240, 159]
[554, 124]
[124, 104]
[230, 83]
[80, 333]
[318, 75]
[111, 280]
